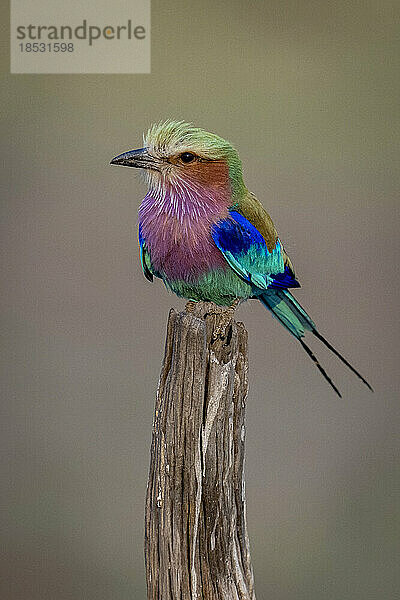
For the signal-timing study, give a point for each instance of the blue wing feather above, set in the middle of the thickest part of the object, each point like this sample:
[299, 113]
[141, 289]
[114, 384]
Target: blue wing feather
[246, 252]
[284, 280]
[144, 256]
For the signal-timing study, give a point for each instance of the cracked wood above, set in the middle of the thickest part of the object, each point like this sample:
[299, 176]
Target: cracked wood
[196, 542]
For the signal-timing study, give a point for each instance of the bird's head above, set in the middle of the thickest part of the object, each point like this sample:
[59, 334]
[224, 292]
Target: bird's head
[180, 156]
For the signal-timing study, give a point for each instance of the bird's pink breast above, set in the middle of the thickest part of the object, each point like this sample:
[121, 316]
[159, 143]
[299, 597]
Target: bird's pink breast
[179, 240]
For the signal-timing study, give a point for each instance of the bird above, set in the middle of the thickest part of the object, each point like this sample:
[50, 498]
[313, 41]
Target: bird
[207, 237]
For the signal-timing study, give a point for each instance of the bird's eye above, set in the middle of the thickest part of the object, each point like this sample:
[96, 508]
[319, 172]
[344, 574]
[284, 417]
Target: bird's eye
[187, 157]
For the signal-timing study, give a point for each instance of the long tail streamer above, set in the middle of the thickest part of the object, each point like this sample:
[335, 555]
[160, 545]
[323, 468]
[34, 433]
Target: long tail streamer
[321, 369]
[342, 358]
[295, 319]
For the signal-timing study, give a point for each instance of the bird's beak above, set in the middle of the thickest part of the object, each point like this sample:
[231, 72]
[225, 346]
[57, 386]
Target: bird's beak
[135, 158]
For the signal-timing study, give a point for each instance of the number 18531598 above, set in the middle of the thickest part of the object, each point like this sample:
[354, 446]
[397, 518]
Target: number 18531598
[46, 47]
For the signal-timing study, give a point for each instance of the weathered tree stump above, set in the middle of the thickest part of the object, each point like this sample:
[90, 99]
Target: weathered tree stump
[196, 542]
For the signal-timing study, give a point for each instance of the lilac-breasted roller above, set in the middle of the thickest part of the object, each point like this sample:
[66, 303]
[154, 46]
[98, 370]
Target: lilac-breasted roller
[206, 236]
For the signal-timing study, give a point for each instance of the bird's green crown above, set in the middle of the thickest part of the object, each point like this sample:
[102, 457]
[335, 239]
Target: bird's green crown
[172, 138]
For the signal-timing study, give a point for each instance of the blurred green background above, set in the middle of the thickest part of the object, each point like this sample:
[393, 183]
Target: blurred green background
[308, 93]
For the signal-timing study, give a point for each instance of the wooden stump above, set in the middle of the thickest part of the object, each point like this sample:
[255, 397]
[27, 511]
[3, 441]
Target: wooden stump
[196, 542]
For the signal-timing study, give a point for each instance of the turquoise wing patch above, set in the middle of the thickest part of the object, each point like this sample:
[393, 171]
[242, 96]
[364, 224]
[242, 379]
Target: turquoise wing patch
[146, 265]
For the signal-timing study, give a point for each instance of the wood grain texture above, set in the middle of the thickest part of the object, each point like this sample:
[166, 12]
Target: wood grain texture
[196, 542]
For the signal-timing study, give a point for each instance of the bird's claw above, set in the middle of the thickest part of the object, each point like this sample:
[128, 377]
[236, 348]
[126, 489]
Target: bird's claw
[190, 306]
[225, 316]
[226, 320]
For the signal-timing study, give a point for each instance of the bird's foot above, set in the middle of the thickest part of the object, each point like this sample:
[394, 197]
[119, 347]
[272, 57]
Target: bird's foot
[225, 315]
[226, 320]
[190, 306]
